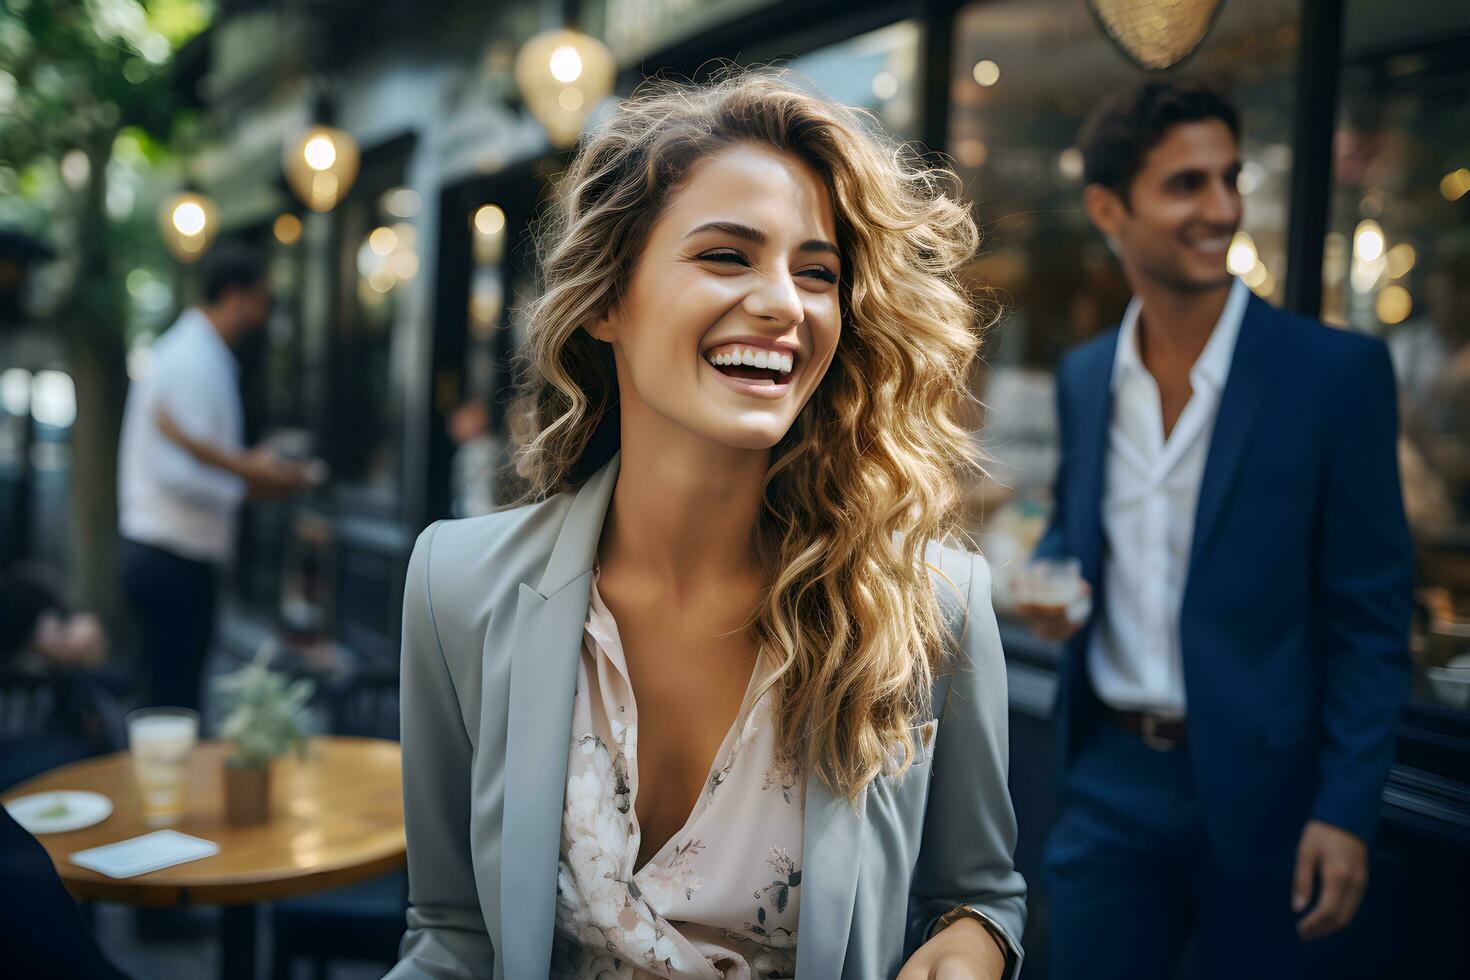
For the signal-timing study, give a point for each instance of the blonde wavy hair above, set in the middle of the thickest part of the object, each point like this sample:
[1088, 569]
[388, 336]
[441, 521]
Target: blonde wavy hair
[849, 626]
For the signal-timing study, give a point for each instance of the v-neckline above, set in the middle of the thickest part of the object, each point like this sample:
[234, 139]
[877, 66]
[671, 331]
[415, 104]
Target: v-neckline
[701, 800]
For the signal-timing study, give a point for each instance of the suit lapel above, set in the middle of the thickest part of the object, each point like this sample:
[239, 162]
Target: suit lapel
[548, 635]
[1096, 406]
[832, 838]
[1252, 368]
[546, 641]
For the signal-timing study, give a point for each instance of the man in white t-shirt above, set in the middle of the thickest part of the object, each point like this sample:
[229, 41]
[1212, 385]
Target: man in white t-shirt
[183, 472]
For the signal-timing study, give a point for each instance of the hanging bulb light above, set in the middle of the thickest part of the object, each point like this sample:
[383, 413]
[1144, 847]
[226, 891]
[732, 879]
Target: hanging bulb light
[563, 75]
[321, 165]
[189, 221]
[1155, 34]
[488, 224]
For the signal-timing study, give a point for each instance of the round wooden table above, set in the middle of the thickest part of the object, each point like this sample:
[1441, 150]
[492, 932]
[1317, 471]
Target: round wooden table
[336, 818]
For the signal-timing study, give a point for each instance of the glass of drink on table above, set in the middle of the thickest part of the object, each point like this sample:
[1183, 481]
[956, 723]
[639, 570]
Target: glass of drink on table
[161, 740]
[1052, 587]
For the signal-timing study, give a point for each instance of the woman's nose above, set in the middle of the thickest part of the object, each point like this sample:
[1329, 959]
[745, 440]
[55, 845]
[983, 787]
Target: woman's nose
[778, 298]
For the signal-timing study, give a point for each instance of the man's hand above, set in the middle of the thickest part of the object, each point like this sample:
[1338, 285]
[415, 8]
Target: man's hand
[267, 475]
[1337, 860]
[1051, 622]
[964, 950]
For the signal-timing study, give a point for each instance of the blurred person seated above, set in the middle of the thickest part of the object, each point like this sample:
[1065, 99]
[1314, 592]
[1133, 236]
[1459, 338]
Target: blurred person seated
[61, 699]
[479, 454]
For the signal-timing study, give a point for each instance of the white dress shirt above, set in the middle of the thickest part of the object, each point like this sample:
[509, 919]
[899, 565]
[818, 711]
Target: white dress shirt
[166, 498]
[1148, 511]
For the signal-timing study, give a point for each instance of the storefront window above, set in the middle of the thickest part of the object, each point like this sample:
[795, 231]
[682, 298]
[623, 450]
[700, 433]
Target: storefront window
[272, 379]
[1014, 118]
[283, 375]
[1396, 264]
[380, 259]
[876, 71]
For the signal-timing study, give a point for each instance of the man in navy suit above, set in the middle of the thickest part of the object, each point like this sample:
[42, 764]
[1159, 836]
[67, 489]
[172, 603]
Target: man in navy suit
[1229, 483]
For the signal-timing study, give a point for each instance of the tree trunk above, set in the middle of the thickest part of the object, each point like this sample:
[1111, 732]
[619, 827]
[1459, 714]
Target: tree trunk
[98, 359]
[98, 367]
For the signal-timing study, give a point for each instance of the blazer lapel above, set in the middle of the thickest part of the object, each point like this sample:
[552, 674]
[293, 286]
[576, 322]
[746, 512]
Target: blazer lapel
[832, 839]
[1252, 367]
[1096, 405]
[546, 641]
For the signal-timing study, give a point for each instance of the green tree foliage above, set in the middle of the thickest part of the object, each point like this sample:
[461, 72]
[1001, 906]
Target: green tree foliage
[73, 75]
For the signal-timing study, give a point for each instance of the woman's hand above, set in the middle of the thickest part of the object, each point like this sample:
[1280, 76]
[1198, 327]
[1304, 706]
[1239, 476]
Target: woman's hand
[965, 950]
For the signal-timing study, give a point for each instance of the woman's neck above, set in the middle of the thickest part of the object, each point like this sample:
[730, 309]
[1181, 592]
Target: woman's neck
[683, 511]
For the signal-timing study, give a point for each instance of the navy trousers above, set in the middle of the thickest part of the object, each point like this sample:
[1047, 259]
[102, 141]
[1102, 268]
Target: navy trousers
[173, 599]
[1131, 880]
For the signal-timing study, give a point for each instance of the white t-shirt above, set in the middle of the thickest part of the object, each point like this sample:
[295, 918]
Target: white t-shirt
[166, 498]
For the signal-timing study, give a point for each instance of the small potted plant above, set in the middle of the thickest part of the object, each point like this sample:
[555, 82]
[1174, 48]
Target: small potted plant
[266, 716]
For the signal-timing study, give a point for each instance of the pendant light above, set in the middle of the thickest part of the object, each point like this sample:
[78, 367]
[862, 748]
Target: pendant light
[1156, 34]
[189, 222]
[321, 165]
[321, 162]
[562, 75]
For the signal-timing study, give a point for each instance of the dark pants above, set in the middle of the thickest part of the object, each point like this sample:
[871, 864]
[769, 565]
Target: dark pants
[1131, 878]
[173, 599]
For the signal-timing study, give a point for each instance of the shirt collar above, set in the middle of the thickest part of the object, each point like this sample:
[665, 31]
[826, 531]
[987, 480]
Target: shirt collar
[195, 319]
[1213, 364]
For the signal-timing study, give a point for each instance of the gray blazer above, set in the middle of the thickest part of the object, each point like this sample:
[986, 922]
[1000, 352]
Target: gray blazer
[493, 614]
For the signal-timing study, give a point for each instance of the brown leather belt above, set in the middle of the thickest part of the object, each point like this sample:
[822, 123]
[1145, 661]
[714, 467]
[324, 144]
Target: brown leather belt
[1157, 733]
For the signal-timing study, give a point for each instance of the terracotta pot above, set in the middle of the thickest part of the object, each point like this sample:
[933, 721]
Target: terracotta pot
[247, 794]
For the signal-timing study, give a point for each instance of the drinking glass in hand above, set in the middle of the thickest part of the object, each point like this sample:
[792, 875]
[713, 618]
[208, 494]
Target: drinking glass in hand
[160, 740]
[1053, 595]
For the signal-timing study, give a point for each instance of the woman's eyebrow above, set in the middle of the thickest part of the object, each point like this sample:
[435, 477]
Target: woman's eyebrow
[758, 237]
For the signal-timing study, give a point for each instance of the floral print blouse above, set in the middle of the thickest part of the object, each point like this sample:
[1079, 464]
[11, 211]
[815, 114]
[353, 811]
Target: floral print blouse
[722, 897]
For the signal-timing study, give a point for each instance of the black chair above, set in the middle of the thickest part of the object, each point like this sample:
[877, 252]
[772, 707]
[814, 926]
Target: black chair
[366, 704]
[28, 701]
[365, 921]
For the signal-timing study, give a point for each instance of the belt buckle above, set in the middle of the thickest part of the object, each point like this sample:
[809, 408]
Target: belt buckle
[1149, 730]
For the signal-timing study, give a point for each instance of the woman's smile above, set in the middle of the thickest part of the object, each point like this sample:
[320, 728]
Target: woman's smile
[754, 366]
[754, 381]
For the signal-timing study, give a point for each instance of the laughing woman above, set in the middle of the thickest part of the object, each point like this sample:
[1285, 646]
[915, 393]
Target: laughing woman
[716, 703]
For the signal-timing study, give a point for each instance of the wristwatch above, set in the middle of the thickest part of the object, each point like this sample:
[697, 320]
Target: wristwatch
[996, 932]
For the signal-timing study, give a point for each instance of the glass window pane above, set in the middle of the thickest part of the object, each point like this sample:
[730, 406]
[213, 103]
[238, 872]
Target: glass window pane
[1396, 264]
[1026, 74]
[876, 71]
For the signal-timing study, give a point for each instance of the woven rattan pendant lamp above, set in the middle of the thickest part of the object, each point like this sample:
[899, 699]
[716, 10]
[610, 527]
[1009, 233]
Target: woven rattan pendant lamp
[1156, 34]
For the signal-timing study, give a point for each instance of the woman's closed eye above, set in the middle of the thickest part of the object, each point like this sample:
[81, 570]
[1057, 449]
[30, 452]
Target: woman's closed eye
[735, 258]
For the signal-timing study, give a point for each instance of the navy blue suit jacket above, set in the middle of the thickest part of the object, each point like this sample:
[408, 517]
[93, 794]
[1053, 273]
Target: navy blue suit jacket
[1295, 619]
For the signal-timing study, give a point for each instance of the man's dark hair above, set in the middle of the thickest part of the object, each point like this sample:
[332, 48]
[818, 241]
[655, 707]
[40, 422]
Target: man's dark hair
[1123, 128]
[230, 265]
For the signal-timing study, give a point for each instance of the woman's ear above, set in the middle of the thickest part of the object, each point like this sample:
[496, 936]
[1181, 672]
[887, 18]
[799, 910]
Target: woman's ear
[604, 328]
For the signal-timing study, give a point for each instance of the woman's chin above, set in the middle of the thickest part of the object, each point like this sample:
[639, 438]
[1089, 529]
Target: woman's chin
[752, 434]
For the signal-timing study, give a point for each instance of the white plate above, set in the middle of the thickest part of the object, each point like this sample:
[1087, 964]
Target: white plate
[77, 809]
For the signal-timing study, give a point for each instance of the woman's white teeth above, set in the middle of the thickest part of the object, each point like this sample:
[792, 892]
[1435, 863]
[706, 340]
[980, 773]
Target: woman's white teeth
[751, 357]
